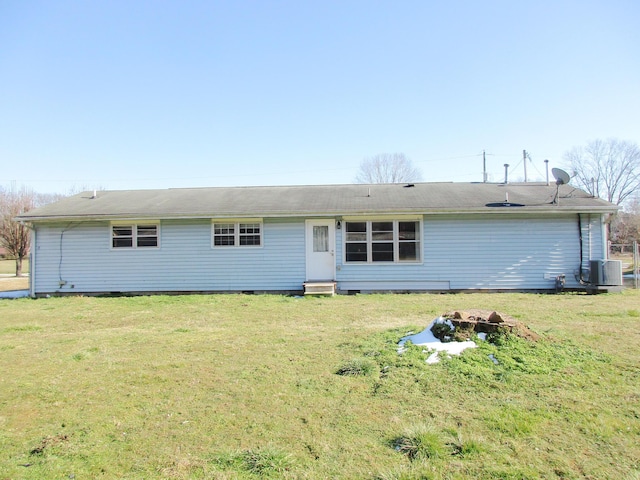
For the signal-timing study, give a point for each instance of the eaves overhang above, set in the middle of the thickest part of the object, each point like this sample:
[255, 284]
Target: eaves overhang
[505, 210]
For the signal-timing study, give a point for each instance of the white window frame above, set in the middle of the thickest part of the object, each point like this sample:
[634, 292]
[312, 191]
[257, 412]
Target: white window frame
[237, 235]
[134, 235]
[396, 240]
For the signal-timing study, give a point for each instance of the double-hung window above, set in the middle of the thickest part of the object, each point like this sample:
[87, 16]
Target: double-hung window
[237, 234]
[373, 241]
[134, 235]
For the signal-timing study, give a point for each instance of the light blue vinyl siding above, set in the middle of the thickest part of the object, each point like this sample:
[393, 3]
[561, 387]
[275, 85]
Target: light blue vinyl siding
[495, 252]
[492, 252]
[185, 260]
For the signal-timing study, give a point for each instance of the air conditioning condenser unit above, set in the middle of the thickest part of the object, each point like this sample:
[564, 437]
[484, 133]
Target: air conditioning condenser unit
[606, 272]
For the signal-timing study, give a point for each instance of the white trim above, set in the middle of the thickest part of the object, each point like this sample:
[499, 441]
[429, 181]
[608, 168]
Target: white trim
[604, 234]
[396, 240]
[331, 223]
[32, 263]
[387, 218]
[131, 221]
[134, 226]
[394, 285]
[236, 222]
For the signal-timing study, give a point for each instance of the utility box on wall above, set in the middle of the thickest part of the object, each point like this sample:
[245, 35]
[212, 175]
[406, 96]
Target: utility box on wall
[606, 272]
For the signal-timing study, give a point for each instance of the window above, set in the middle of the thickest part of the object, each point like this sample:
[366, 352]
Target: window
[224, 234]
[249, 234]
[134, 236]
[320, 238]
[382, 241]
[237, 234]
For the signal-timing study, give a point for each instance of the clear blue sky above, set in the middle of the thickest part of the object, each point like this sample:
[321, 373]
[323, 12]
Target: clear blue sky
[157, 94]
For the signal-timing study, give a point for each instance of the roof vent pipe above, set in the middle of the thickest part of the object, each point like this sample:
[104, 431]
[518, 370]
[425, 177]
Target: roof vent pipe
[506, 173]
[546, 163]
[95, 194]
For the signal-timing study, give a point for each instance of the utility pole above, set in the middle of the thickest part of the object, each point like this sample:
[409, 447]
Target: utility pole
[484, 167]
[524, 161]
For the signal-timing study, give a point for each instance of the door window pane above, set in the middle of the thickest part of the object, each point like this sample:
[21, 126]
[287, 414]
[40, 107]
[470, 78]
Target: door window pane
[320, 238]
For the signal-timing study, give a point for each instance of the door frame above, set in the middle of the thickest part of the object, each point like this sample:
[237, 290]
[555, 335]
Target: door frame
[308, 240]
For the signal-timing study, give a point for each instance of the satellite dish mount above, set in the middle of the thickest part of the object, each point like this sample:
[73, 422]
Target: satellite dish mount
[562, 178]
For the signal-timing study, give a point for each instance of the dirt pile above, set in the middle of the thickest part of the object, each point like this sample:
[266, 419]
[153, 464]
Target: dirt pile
[470, 322]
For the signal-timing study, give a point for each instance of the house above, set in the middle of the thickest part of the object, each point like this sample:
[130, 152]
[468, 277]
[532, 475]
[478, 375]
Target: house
[352, 238]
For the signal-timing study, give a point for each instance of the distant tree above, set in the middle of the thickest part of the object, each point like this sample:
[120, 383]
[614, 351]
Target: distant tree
[625, 226]
[608, 169]
[14, 236]
[387, 168]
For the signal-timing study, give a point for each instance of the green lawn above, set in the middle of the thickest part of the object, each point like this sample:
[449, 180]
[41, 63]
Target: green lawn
[241, 386]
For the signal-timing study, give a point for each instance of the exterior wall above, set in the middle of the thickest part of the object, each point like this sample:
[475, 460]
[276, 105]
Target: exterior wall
[486, 252]
[80, 255]
[483, 252]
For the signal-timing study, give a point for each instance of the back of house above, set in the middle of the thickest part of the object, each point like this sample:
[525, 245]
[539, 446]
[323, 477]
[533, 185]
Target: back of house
[324, 238]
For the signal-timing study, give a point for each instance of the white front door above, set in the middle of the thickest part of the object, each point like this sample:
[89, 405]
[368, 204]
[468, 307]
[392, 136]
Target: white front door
[321, 249]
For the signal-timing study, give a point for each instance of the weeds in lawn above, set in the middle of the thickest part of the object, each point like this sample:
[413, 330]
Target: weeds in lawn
[264, 462]
[421, 442]
[22, 328]
[358, 367]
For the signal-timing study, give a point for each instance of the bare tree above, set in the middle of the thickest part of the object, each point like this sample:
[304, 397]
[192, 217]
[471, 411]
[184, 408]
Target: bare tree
[608, 169]
[625, 226]
[387, 168]
[14, 236]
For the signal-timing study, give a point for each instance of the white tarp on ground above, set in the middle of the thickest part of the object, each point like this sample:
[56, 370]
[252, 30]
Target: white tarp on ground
[432, 344]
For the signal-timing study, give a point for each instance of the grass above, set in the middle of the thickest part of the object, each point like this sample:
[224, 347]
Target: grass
[241, 386]
[8, 267]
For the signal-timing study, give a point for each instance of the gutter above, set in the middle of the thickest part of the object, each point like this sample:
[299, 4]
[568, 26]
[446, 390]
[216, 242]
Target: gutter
[316, 214]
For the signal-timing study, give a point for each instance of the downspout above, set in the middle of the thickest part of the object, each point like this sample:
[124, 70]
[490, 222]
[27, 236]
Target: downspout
[605, 236]
[581, 242]
[32, 257]
[32, 262]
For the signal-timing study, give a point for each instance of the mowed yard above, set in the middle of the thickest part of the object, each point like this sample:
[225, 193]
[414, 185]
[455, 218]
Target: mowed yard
[243, 386]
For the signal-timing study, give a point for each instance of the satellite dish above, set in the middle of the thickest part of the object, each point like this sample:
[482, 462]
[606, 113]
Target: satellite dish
[561, 176]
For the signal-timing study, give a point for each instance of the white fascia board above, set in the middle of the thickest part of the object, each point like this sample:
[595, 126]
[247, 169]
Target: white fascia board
[547, 209]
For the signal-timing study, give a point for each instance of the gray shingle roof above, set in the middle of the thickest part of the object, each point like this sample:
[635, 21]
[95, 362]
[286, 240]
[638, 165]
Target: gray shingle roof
[320, 200]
